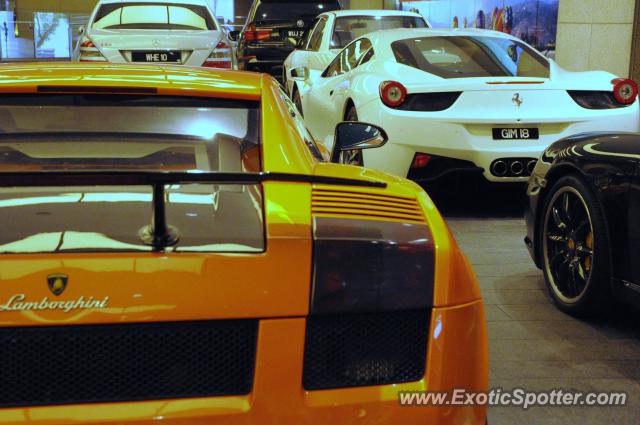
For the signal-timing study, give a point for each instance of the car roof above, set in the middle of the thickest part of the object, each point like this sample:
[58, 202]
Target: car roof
[69, 77]
[391, 35]
[371, 12]
[192, 2]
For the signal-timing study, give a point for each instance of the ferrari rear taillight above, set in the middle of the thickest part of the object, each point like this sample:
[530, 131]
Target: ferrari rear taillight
[625, 90]
[220, 57]
[420, 160]
[89, 52]
[371, 266]
[254, 34]
[392, 93]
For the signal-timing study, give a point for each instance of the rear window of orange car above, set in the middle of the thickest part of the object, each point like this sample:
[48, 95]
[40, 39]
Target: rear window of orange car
[153, 16]
[132, 133]
[118, 132]
[471, 56]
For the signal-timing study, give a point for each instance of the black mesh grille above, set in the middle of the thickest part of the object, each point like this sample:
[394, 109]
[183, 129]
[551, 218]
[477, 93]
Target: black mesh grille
[365, 349]
[103, 363]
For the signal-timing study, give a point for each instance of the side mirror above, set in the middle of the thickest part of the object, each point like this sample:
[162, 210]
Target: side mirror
[352, 135]
[300, 74]
[234, 35]
[81, 30]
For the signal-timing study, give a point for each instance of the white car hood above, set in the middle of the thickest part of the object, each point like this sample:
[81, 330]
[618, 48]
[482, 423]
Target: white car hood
[127, 39]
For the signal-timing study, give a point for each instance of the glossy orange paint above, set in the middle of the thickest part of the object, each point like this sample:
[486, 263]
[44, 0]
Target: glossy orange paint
[273, 286]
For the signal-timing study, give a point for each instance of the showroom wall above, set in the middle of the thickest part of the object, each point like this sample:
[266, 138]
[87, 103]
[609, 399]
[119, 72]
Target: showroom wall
[534, 21]
[591, 34]
[595, 34]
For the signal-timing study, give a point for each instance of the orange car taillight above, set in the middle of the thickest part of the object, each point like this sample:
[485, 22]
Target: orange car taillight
[392, 93]
[89, 52]
[625, 90]
[220, 57]
[254, 34]
[371, 266]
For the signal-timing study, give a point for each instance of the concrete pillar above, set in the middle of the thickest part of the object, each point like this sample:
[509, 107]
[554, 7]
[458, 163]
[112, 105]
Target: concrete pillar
[595, 34]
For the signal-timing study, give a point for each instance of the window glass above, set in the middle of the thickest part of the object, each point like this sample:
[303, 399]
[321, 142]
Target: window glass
[466, 56]
[367, 57]
[349, 58]
[335, 67]
[356, 51]
[186, 18]
[308, 34]
[94, 133]
[316, 37]
[348, 28]
[153, 16]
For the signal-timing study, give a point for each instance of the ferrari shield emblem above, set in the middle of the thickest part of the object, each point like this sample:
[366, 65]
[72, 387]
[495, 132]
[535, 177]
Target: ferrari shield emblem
[57, 283]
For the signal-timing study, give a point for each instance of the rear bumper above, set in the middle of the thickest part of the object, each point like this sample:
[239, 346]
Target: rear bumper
[195, 58]
[457, 358]
[262, 57]
[449, 136]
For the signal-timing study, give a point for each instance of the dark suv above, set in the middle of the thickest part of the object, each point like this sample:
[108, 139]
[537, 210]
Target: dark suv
[273, 29]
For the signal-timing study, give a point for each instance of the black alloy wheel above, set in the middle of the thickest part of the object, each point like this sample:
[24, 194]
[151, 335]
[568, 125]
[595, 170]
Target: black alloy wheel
[575, 248]
[352, 157]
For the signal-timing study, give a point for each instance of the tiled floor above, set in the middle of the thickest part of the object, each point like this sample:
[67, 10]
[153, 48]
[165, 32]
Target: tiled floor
[533, 345]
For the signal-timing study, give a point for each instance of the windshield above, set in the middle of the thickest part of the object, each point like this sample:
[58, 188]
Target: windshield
[153, 16]
[290, 11]
[348, 28]
[467, 56]
[129, 133]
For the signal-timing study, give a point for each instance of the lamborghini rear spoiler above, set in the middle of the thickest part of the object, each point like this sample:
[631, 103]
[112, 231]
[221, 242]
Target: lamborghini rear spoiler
[159, 234]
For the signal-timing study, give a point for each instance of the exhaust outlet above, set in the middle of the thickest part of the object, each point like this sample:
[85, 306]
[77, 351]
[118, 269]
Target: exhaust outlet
[499, 168]
[531, 165]
[517, 168]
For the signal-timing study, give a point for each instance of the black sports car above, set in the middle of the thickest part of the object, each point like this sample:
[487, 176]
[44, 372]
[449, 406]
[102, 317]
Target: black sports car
[583, 221]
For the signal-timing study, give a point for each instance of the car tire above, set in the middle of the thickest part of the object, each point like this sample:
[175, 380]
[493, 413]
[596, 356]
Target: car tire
[575, 248]
[297, 100]
[353, 157]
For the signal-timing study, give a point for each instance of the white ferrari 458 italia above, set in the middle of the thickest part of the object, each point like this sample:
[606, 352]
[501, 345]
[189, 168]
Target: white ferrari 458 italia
[179, 32]
[459, 100]
[333, 31]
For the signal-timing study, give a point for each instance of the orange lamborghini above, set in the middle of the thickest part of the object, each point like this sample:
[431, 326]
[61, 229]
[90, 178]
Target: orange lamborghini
[176, 249]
